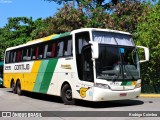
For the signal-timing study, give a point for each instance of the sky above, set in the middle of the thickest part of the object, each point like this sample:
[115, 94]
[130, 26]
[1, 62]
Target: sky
[26, 8]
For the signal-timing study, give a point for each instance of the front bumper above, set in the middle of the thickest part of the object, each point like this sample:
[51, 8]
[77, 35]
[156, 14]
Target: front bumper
[108, 95]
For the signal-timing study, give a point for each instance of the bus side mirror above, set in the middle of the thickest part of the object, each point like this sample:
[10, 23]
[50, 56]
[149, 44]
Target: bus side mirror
[146, 51]
[94, 49]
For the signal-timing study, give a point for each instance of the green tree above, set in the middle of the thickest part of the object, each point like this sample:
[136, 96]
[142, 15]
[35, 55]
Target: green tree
[18, 27]
[40, 28]
[124, 16]
[149, 35]
[17, 31]
[2, 45]
[66, 19]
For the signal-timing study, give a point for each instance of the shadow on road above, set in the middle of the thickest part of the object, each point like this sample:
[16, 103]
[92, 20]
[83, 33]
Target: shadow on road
[107, 104]
[40, 96]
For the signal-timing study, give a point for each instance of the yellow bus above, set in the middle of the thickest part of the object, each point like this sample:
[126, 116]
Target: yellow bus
[89, 64]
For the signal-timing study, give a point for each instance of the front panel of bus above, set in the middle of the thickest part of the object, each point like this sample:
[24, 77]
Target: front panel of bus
[117, 68]
[115, 74]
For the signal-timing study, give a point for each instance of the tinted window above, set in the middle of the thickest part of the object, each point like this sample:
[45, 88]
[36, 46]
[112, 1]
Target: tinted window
[7, 57]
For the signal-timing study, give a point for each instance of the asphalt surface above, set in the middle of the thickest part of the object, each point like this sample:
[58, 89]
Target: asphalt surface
[30, 102]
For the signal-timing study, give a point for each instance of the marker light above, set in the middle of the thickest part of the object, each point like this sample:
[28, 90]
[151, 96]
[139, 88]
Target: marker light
[138, 85]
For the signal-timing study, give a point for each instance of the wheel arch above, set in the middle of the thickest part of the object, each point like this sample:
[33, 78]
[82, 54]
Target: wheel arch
[18, 80]
[64, 83]
[67, 93]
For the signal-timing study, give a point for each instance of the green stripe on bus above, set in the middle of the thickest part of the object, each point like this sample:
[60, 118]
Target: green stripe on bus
[40, 75]
[61, 35]
[129, 83]
[57, 36]
[125, 83]
[48, 75]
[64, 34]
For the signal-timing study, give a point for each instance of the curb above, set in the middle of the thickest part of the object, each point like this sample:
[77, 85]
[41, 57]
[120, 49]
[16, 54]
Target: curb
[150, 95]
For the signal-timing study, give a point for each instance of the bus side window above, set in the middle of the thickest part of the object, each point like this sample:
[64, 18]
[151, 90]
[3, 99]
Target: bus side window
[60, 49]
[49, 51]
[45, 51]
[14, 57]
[40, 50]
[26, 54]
[65, 52]
[53, 51]
[29, 54]
[33, 53]
[81, 42]
[37, 49]
[67, 47]
[18, 57]
[7, 57]
[10, 56]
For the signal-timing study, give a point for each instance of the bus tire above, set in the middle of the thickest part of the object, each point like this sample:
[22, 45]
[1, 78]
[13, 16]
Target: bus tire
[18, 88]
[66, 94]
[13, 86]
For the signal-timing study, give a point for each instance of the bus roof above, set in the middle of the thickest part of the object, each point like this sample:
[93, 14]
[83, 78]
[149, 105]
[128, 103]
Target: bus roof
[51, 37]
[99, 29]
[54, 36]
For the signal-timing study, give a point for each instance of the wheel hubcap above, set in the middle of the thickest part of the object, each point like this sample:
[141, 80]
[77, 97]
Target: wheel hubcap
[68, 94]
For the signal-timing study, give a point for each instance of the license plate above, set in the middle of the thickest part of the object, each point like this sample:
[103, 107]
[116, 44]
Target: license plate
[123, 94]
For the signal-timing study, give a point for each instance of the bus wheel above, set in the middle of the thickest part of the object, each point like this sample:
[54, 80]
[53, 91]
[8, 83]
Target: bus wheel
[13, 87]
[18, 88]
[66, 94]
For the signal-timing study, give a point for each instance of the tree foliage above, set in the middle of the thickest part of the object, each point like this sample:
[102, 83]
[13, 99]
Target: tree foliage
[19, 30]
[148, 34]
[69, 18]
[124, 16]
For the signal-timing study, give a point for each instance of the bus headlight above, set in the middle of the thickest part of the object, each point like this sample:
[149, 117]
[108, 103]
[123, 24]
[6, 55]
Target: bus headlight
[138, 85]
[104, 86]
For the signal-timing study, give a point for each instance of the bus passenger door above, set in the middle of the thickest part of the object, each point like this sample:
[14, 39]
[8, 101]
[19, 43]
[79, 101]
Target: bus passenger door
[87, 64]
[84, 66]
[86, 90]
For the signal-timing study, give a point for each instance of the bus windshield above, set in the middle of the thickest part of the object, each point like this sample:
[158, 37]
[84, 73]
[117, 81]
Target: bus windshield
[118, 58]
[113, 38]
[117, 63]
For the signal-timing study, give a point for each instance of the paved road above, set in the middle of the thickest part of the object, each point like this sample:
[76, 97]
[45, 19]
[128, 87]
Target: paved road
[41, 102]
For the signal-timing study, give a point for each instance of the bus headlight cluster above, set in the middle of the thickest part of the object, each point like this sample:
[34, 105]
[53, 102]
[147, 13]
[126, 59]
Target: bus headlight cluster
[104, 86]
[138, 85]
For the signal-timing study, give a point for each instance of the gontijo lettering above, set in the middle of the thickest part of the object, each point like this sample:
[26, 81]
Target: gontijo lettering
[22, 67]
